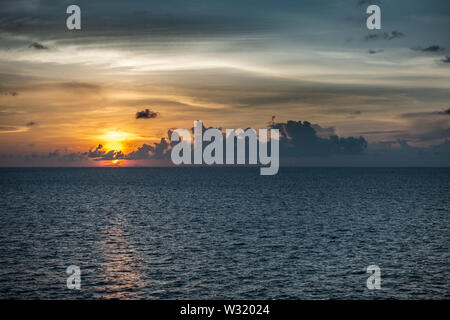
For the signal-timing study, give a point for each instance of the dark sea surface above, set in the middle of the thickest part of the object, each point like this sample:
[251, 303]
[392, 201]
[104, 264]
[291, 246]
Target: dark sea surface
[225, 233]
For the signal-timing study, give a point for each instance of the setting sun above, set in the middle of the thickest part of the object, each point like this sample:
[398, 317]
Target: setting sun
[115, 140]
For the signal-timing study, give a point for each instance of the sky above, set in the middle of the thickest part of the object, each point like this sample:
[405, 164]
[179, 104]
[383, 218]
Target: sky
[344, 95]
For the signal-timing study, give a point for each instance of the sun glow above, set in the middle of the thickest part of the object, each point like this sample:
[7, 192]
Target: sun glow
[113, 145]
[115, 136]
[115, 140]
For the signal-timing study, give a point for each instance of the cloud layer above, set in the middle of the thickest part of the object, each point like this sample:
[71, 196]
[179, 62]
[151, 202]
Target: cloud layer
[300, 144]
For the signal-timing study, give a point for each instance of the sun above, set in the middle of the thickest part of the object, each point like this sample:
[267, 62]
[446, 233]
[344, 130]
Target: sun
[115, 140]
[113, 145]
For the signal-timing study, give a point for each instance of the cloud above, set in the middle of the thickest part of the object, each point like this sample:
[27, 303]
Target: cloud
[386, 36]
[394, 35]
[142, 153]
[425, 114]
[37, 46]
[324, 132]
[433, 48]
[9, 93]
[372, 37]
[159, 150]
[301, 143]
[432, 126]
[8, 129]
[76, 85]
[146, 114]
[373, 51]
[12, 129]
[298, 139]
[99, 154]
[446, 59]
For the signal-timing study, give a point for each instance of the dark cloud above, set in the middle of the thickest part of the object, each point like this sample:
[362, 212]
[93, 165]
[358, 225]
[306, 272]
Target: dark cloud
[146, 114]
[373, 51]
[31, 123]
[433, 48]
[55, 156]
[99, 154]
[142, 153]
[394, 35]
[159, 150]
[372, 37]
[425, 114]
[386, 36]
[302, 140]
[300, 144]
[37, 46]
[299, 139]
[324, 132]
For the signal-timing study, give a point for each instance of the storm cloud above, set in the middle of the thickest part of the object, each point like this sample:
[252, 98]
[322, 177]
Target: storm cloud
[298, 139]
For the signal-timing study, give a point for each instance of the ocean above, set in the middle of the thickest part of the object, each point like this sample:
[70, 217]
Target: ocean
[224, 233]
